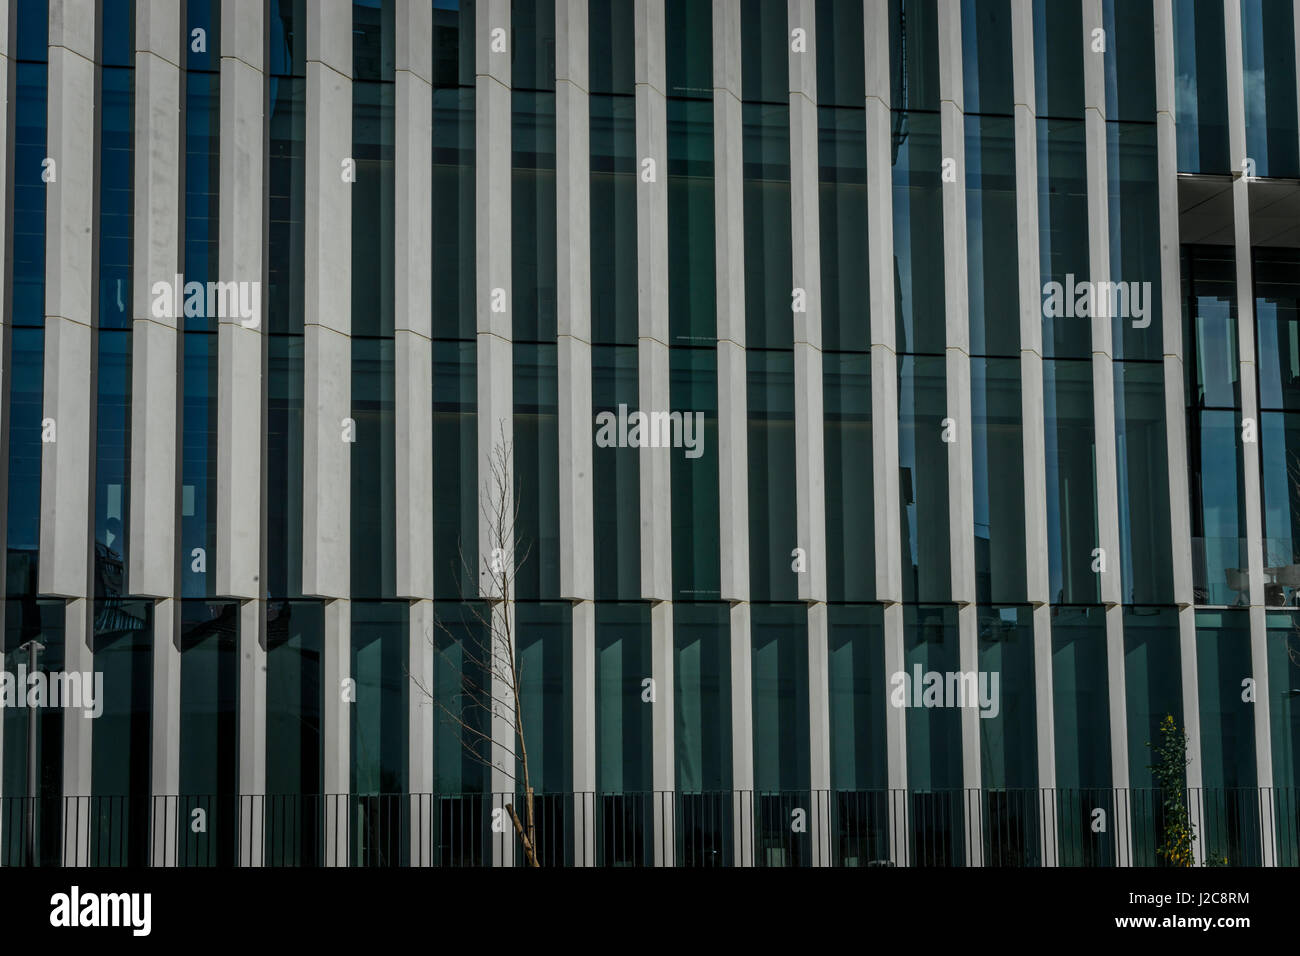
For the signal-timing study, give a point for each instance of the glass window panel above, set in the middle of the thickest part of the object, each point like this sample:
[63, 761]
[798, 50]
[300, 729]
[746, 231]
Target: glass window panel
[112, 460]
[26, 376]
[374, 483]
[461, 750]
[611, 53]
[1201, 87]
[532, 44]
[209, 733]
[1231, 804]
[1072, 535]
[287, 35]
[992, 259]
[780, 647]
[842, 189]
[532, 308]
[1153, 692]
[202, 15]
[997, 458]
[1063, 238]
[453, 44]
[702, 734]
[690, 55]
[613, 228]
[1130, 60]
[858, 701]
[1082, 720]
[914, 54]
[1268, 53]
[1284, 717]
[295, 633]
[286, 205]
[284, 465]
[453, 214]
[372, 40]
[1142, 467]
[934, 760]
[373, 211]
[455, 467]
[1137, 305]
[1219, 565]
[773, 533]
[986, 57]
[764, 56]
[841, 69]
[1008, 737]
[34, 628]
[693, 387]
[27, 307]
[1058, 57]
[849, 477]
[537, 470]
[616, 476]
[1277, 313]
[121, 746]
[1279, 478]
[1210, 327]
[692, 253]
[923, 478]
[116, 205]
[769, 277]
[624, 823]
[380, 724]
[918, 236]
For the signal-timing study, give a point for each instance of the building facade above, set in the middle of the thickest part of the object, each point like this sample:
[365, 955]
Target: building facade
[891, 406]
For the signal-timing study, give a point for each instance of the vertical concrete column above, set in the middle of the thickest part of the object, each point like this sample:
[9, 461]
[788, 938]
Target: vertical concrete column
[252, 732]
[884, 400]
[744, 802]
[584, 733]
[1045, 730]
[165, 757]
[505, 741]
[412, 308]
[733, 442]
[961, 498]
[663, 762]
[68, 399]
[154, 346]
[413, 350]
[328, 431]
[1103, 395]
[336, 729]
[1175, 416]
[1249, 412]
[66, 471]
[495, 347]
[573, 297]
[239, 343]
[1032, 416]
[809, 423]
[421, 714]
[78, 657]
[650, 68]
[328, 428]
[156, 258]
[821, 821]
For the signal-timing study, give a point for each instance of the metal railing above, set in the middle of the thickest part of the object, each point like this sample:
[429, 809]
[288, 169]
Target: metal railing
[956, 827]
